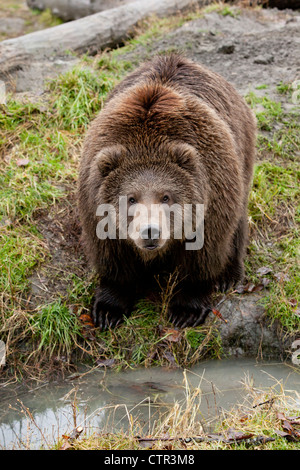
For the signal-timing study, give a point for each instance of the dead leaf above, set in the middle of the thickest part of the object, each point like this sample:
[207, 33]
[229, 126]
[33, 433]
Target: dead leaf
[170, 358]
[86, 320]
[22, 162]
[293, 419]
[243, 418]
[88, 327]
[238, 435]
[240, 289]
[105, 362]
[281, 277]
[288, 428]
[264, 270]
[258, 287]
[288, 436]
[68, 440]
[171, 334]
[146, 444]
[250, 288]
[265, 281]
[66, 445]
[218, 314]
[168, 446]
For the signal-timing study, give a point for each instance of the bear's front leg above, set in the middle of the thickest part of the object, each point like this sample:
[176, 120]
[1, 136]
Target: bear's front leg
[190, 306]
[111, 303]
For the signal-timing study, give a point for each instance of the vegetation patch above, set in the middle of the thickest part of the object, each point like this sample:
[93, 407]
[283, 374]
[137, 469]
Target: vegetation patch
[274, 208]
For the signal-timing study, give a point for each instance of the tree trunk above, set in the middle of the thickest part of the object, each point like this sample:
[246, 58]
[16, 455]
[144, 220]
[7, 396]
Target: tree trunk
[74, 9]
[89, 34]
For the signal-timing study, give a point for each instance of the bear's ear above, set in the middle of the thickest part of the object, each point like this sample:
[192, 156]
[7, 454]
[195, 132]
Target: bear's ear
[184, 155]
[109, 159]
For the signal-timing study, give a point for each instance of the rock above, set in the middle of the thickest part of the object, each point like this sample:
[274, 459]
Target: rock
[226, 49]
[247, 332]
[264, 59]
[74, 9]
[12, 25]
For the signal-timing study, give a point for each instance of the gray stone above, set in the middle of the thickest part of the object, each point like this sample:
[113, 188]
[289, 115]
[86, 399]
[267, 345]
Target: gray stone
[264, 59]
[226, 49]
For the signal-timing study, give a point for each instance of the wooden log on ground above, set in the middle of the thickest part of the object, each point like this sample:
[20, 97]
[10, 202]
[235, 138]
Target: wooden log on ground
[74, 9]
[283, 4]
[280, 4]
[89, 34]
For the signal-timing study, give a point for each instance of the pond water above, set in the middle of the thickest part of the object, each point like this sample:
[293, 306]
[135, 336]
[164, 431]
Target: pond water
[100, 400]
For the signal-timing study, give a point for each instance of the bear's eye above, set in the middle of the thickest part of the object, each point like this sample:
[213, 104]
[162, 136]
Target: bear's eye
[165, 198]
[131, 200]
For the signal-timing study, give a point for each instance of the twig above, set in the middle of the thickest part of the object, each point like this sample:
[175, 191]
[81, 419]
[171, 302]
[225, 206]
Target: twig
[271, 400]
[210, 438]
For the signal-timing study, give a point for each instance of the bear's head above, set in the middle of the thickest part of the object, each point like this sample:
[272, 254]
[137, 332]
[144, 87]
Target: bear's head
[148, 196]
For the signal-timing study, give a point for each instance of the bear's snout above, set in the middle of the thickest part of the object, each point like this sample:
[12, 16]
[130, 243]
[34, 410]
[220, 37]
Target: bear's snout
[150, 232]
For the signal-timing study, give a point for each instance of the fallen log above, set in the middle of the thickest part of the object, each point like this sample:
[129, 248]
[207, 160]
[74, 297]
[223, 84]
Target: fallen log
[280, 4]
[89, 34]
[69, 10]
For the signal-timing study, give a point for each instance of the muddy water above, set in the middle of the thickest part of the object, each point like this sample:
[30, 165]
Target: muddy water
[104, 400]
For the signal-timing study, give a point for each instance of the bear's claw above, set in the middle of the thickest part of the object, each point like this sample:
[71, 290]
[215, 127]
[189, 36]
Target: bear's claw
[104, 318]
[108, 309]
[184, 317]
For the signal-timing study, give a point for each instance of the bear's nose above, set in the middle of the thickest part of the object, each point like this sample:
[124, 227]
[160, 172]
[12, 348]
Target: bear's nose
[150, 232]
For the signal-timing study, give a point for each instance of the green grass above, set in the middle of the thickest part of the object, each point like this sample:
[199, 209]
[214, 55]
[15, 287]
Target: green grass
[55, 328]
[146, 338]
[78, 95]
[270, 112]
[20, 251]
[274, 208]
[39, 149]
[46, 18]
[227, 11]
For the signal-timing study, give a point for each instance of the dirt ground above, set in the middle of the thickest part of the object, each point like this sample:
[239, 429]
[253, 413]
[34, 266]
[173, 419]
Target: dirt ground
[251, 48]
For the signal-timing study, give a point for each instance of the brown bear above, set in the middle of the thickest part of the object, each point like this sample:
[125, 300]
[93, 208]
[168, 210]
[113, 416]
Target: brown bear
[171, 134]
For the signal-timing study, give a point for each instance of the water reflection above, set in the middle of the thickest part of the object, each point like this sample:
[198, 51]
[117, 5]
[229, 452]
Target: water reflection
[104, 401]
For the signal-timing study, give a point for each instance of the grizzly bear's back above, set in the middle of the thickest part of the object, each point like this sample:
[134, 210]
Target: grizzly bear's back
[186, 76]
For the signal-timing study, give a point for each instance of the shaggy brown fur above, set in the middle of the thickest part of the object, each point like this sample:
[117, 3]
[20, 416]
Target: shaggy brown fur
[172, 125]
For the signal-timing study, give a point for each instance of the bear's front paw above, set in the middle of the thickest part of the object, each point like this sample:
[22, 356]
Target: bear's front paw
[225, 285]
[187, 315]
[108, 310]
[104, 317]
